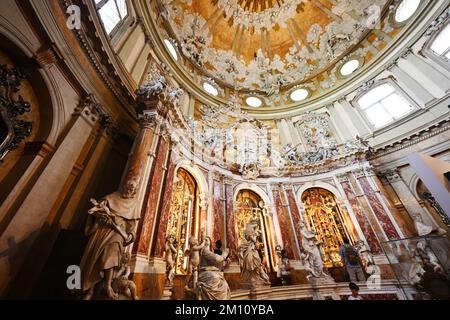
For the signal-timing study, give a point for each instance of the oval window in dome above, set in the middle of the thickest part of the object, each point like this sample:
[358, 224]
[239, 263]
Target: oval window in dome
[210, 89]
[254, 102]
[299, 95]
[349, 67]
[406, 10]
[171, 48]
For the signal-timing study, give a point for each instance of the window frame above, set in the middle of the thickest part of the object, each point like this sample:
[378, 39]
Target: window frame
[442, 60]
[397, 89]
[392, 16]
[118, 26]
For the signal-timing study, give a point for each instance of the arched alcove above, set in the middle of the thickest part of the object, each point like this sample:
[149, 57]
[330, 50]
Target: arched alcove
[184, 218]
[323, 215]
[250, 206]
[34, 91]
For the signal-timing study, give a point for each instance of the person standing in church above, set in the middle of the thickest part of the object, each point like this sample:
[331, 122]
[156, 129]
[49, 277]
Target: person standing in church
[351, 260]
[218, 248]
[355, 292]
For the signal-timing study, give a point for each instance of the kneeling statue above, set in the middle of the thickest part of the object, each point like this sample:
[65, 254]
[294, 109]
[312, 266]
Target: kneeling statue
[211, 284]
[111, 228]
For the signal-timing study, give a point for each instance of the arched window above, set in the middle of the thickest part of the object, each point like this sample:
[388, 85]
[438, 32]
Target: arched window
[441, 44]
[383, 105]
[112, 13]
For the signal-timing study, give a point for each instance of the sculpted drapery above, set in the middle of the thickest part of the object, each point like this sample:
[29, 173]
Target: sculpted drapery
[252, 269]
[111, 228]
[211, 282]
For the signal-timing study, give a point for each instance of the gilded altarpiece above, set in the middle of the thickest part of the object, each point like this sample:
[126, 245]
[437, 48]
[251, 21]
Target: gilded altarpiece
[250, 207]
[324, 216]
[184, 218]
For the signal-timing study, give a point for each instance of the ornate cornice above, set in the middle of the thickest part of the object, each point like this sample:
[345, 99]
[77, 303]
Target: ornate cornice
[412, 139]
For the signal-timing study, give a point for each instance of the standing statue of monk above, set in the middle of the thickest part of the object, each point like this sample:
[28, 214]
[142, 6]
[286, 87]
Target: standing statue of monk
[111, 227]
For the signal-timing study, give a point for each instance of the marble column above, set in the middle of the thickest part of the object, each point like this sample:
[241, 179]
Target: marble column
[219, 214]
[157, 152]
[362, 219]
[232, 239]
[287, 233]
[385, 220]
[295, 213]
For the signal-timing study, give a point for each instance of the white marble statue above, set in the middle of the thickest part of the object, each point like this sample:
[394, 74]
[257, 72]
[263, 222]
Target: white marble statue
[194, 260]
[252, 269]
[211, 284]
[111, 226]
[312, 255]
[365, 254]
[424, 229]
[170, 256]
[278, 250]
[428, 256]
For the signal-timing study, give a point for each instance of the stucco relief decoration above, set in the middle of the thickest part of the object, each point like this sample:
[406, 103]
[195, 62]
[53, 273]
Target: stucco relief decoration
[319, 143]
[12, 106]
[265, 19]
[158, 86]
[325, 44]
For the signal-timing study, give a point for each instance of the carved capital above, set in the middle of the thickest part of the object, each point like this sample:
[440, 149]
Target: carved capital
[392, 175]
[342, 178]
[149, 119]
[359, 173]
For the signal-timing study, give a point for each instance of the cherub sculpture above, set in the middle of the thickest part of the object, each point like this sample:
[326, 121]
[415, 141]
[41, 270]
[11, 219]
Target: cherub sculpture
[171, 255]
[121, 284]
[194, 259]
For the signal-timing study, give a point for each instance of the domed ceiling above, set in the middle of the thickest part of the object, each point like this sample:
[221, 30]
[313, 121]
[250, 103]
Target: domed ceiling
[269, 45]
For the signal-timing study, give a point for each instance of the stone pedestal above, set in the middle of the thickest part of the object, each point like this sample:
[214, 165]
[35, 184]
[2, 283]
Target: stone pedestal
[167, 293]
[260, 293]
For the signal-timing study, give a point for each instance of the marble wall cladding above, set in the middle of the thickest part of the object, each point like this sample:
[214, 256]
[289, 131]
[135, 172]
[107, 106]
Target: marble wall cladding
[149, 286]
[294, 212]
[363, 222]
[232, 240]
[379, 296]
[285, 224]
[218, 231]
[152, 203]
[161, 230]
[378, 209]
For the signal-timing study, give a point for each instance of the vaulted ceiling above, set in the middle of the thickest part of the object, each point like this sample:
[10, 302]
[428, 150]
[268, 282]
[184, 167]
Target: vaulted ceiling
[265, 45]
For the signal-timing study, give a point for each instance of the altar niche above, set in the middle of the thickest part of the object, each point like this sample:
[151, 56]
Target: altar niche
[184, 219]
[324, 216]
[251, 207]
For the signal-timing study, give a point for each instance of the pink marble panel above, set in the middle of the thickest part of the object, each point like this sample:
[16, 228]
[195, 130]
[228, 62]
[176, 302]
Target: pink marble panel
[161, 232]
[294, 212]
[377, 207]
[363, 222]
[285, 226]
[231, 221]
[153, 194]
[218, 208]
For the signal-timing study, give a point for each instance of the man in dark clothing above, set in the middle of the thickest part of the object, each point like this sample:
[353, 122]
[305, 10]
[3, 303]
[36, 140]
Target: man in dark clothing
[350, 257]
[218, 248]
